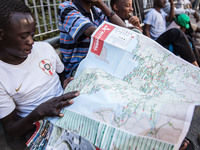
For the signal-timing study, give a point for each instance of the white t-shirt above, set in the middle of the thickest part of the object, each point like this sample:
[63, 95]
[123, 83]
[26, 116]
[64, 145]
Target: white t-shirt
[157, 20]
[30, 83]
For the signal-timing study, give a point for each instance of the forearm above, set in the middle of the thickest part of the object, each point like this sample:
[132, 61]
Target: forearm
[89, 31]
[62, 77]
[16, 126]
[146, 32]
[107, 11]
[20, 126]
[171, 13]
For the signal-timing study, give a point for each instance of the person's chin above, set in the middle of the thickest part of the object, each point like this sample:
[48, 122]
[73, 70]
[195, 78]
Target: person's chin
[25, 54]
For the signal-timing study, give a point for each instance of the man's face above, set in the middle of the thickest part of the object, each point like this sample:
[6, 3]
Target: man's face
[123, 8]
[17, 40]
[160, 3]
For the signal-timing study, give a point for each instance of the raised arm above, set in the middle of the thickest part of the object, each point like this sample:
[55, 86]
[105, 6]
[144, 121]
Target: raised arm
[115, 19]
[171, 16]
[16, 126]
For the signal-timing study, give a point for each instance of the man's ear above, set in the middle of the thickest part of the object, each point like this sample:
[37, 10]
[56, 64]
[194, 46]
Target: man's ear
[115, 7]
[1, 34]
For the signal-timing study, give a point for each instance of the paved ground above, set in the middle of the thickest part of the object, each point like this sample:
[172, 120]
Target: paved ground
[195, 125]
[195, 128]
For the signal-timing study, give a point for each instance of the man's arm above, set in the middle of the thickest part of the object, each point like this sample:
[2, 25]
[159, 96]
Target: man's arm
[171, 16]
[115, 19]
[62, 77]
[16, 126]
[88, 32]
[146, 30]
[196, 16]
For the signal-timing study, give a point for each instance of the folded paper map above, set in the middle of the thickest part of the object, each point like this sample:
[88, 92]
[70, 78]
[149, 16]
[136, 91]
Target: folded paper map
[134, 94]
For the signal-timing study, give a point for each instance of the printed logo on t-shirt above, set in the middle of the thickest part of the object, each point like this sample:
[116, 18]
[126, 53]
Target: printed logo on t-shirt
[18, 88]
[46, 66]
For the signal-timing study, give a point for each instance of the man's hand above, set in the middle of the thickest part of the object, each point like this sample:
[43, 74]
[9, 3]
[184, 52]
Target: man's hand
[115, 19]
[171, 1]
[134, 20]
[16, 126]
[196, 16]
[66, 81]
[53, 106]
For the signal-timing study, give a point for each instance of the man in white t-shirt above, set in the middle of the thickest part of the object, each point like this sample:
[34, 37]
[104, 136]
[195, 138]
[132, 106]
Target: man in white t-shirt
[30, 88]
[157, 21]
[156, 18]
[155, 28]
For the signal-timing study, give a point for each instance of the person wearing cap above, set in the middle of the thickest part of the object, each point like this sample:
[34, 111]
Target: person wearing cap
[182, 22]
[155, 28]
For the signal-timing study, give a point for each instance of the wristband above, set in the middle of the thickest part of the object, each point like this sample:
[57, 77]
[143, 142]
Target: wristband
[111, 14]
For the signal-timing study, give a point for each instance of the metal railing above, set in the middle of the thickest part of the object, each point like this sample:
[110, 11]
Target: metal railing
[45, 13]
[147, 5]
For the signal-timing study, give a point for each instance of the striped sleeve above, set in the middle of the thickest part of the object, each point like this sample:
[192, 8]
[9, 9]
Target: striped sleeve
[72, 21]
[102, 16]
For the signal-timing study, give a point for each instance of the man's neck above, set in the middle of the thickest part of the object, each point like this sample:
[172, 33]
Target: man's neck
[157, 8]
[87, 6]
[10, 59]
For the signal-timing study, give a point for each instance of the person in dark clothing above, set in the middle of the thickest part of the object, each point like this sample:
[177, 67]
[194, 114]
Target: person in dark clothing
[155, 28]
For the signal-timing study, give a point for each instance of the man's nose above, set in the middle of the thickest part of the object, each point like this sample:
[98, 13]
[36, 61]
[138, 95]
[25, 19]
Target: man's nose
[131, 9]
[30, 40]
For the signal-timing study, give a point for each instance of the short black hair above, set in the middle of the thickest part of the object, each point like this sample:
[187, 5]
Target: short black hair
[112, 2]
[7, 7]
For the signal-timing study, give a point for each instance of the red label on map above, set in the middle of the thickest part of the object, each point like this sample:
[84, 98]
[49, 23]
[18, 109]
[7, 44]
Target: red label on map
[99, 38]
